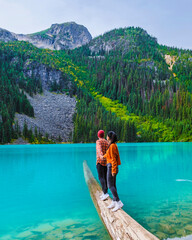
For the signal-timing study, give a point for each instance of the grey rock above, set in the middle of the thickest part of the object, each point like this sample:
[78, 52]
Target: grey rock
[7, 36]
[150, 64]
[46, 74]
[53, 115]
[117, 39]
[59, 36]
[101, 45]
[97, 57]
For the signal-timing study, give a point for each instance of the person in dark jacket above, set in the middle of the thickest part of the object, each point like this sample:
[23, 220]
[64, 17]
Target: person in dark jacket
[113, 161]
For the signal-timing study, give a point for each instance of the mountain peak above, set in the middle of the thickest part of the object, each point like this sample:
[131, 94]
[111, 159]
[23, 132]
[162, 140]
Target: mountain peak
[6, 36]
[59, 36]
[67, 35]
[121, 38]
[63, 24]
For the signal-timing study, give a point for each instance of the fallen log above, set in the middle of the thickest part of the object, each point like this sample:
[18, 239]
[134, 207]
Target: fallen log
[119, 225]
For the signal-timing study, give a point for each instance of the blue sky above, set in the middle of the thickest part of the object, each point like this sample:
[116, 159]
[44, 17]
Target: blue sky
[170, 21]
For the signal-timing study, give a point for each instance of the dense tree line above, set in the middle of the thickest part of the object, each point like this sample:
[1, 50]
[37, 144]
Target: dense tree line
[35, 137]
[12, 98]
[92, 116]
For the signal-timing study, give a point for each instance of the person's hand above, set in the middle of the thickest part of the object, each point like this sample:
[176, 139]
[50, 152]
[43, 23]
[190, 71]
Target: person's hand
[113, 174]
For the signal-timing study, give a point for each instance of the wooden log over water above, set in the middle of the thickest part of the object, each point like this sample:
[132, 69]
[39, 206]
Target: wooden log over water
[119, 225]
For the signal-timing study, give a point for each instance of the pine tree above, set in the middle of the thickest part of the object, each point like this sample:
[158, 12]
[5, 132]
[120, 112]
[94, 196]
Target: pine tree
[25, 130]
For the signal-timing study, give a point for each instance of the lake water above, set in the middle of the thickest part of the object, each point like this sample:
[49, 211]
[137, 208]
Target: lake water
[43, 194]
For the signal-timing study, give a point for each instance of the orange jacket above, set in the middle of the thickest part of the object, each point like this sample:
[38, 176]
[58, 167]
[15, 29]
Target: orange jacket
[112, 156]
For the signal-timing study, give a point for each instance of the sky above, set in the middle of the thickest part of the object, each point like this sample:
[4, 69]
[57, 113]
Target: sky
[170, 21]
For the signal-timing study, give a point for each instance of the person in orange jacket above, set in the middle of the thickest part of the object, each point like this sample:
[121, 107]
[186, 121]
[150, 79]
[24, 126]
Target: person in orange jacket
[113, 160]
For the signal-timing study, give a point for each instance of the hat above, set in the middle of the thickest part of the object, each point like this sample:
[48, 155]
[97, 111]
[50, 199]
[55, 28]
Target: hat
[101, 134]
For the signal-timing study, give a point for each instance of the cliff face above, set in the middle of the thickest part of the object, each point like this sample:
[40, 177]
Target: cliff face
[46, 75]
[59, 36]
[7, 36]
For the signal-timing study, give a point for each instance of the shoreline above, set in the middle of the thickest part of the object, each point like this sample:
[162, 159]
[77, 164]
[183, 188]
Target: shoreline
[21, 141]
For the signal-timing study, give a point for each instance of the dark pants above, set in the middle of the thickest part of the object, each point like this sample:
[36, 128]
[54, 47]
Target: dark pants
[102, 173]
[111, 182]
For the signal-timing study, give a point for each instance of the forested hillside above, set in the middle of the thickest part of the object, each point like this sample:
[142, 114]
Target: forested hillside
[12, 97]
[90, 112]
[135, 73]
[121, 80]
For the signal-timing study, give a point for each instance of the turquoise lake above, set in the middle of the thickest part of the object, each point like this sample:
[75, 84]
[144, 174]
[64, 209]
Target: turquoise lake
[43, 194]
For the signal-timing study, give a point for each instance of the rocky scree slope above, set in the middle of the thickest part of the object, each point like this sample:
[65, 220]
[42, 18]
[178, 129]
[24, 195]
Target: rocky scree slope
[53, 112]
[53, 115]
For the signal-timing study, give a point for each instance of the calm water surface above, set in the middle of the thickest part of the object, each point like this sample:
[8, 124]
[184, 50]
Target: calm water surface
[43, 194]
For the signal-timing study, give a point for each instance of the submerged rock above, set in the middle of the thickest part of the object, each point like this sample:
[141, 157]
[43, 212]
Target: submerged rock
[188, 228]
[160, 235]
[166, 228]
[68, 235]
[46, 227]
[24, 234]
[64, 223]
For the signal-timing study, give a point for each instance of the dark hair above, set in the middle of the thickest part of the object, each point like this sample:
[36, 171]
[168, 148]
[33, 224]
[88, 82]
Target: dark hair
[113, 136]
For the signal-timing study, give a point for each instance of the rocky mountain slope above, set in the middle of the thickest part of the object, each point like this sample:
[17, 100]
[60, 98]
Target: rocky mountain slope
[59, 36]
[123, 39]
[47, 76]
[7, 36]
[53, 115]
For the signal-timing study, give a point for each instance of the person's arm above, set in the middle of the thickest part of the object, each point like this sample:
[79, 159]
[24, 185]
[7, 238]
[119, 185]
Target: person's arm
[105, 155]
[107, 152]
[114, 160]
[118, 158]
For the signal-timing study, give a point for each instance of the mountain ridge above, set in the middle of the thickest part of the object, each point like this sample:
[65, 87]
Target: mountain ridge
[67, 35]
[47, 33]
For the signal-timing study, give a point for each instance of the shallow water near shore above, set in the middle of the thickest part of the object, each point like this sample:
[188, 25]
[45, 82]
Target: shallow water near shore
[44, 194]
